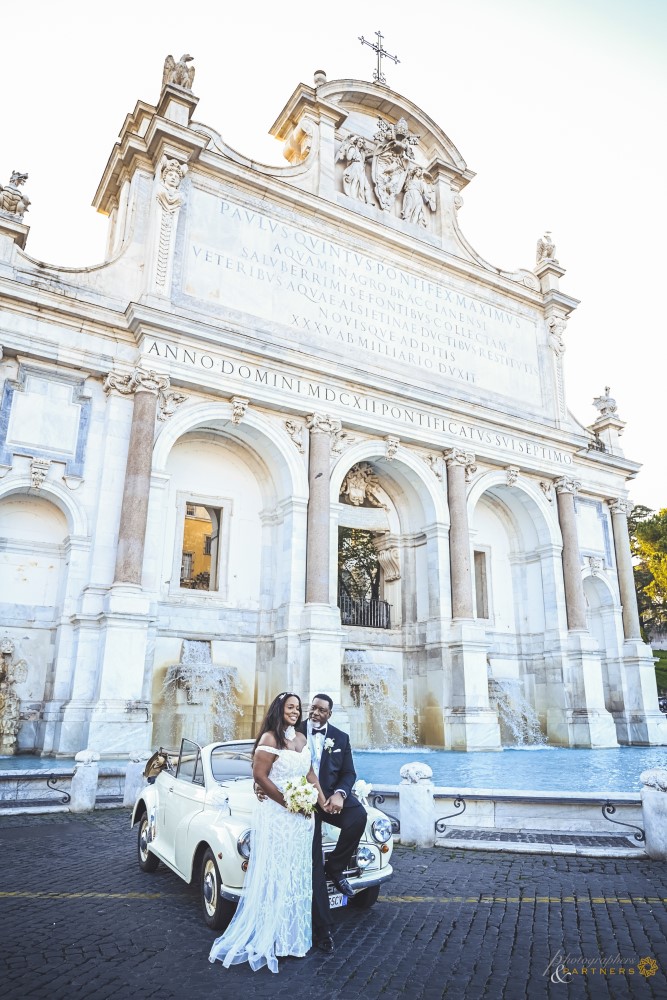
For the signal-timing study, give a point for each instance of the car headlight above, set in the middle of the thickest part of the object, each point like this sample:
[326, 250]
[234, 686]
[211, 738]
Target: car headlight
[381, 830]
[243, 844]
[365, 857]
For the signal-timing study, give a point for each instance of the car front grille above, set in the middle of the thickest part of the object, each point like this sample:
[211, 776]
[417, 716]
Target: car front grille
[350, 872]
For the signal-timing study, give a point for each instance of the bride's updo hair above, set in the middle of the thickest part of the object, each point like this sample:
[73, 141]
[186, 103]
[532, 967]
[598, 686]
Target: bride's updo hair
[274, 721]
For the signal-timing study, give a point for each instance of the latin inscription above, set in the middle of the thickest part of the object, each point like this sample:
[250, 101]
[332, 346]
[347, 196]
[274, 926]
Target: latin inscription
[328, 294]
[484, 438]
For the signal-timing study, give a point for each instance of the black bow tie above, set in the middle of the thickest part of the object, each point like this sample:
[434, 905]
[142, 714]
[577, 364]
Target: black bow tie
[316, 731]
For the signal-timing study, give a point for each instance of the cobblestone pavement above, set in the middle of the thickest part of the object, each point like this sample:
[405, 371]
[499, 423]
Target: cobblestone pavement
[80, 920]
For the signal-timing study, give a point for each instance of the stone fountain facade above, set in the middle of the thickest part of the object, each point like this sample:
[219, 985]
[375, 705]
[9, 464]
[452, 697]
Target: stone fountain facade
[268, 356]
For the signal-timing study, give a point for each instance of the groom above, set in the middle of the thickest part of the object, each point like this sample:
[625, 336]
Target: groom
[332, 761]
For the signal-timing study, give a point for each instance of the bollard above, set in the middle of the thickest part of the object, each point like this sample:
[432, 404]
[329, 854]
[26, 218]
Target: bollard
[84, 781]
[415, 796]
[134, 776]
[654, 812]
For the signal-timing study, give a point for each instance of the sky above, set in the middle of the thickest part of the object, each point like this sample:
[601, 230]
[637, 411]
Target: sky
[559, 108]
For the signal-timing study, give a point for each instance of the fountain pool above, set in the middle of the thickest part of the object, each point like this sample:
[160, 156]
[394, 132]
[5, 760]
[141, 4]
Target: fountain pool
[548, 769]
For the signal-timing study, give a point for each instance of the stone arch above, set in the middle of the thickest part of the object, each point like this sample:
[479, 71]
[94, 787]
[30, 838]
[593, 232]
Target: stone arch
[255, 431]
[517, 583]
[256, 482]
[423, 492]
[34, 566]
[77, 522]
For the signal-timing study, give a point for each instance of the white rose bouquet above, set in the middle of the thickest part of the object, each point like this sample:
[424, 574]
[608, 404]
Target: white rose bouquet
[300, 795]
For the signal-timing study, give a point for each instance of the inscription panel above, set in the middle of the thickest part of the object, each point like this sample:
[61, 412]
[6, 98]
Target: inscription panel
[322, 294]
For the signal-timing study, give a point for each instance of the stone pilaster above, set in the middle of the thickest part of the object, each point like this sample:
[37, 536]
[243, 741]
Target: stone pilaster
[626, 582]
[470, 723]
[321, 427]
[566, 489]
[459, 537]
[643, 722]
[134, 511]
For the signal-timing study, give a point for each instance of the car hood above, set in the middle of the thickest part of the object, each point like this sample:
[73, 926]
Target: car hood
[239, 794]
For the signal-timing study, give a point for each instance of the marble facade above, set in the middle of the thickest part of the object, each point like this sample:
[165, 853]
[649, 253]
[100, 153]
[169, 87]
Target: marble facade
[254, 335]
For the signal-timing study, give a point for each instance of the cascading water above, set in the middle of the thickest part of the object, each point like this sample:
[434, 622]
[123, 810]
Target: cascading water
[519, 724]
[213, 686]
[382, 718]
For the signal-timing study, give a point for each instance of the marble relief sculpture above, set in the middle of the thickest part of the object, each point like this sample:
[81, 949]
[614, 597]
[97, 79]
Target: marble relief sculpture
[557, 326]
[355, 182]
[171, 174]
[391, 159]
[361, 485]
[12, 199]
[393, 170]
[179, 74]
[418, 192]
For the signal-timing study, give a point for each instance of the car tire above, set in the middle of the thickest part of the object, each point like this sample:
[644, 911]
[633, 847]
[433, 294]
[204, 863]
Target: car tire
[147, 860]
[366, 898]
[218, 912]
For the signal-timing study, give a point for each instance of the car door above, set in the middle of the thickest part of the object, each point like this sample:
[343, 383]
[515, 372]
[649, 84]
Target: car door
[184, 798]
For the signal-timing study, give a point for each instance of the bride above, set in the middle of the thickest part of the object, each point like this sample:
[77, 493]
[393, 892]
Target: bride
[274, 915]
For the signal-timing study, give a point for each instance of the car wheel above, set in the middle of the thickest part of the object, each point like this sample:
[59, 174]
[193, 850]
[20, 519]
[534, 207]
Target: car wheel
[217, 911]
[147, 861]
[366, 898]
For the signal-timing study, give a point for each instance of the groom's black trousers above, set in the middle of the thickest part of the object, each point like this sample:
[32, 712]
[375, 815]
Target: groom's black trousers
[351, 822]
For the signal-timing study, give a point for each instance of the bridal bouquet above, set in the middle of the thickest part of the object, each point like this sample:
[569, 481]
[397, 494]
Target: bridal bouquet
[300, 795]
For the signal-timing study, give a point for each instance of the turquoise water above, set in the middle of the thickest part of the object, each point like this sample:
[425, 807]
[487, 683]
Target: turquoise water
[547, 769]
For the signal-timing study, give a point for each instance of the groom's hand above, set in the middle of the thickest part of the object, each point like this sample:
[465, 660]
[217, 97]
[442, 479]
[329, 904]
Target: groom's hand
[334, 803]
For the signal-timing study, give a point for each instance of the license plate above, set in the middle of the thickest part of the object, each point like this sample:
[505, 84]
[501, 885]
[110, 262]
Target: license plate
[337, 899]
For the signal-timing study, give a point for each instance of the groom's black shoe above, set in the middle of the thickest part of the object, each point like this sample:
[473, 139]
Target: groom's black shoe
[325, 943]
[341, 884]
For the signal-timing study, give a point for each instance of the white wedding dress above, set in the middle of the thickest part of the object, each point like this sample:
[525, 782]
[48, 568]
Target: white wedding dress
[273, 917]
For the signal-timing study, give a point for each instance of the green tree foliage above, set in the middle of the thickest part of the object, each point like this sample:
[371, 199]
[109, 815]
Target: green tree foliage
[648, 540]
[358, 567]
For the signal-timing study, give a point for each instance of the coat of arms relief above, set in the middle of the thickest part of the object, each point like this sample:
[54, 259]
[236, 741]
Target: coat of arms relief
[384, 170]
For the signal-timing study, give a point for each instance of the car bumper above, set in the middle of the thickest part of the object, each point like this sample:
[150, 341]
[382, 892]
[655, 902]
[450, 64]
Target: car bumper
[358, 883]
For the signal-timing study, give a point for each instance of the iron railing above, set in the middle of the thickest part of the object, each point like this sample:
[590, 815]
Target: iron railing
[371, 614]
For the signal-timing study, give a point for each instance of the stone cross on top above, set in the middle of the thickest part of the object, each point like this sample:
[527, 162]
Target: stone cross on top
[378, 75]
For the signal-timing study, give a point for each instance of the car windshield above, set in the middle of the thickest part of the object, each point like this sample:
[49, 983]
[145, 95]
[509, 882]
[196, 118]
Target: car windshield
[228, 763]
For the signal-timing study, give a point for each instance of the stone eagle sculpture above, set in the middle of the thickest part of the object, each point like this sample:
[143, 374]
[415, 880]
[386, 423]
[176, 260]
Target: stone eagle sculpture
[178, 73]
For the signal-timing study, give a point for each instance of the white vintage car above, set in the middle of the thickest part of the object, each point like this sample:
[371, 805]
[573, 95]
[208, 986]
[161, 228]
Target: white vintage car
[194, 816]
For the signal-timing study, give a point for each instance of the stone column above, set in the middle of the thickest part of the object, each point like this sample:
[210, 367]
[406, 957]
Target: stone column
[575, 603]
[134, 511]
[321, 428]
[321, 634]
[458, 462]
[626, 582]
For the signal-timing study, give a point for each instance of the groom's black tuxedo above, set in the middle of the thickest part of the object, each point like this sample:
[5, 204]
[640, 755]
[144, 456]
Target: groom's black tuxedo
[336, 772]
[336, 765]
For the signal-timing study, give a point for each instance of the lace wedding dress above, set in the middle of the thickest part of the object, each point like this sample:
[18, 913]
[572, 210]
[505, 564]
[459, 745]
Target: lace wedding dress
[273, 917]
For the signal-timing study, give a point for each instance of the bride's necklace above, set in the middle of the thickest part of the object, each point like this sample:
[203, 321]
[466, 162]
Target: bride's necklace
[290, 733]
